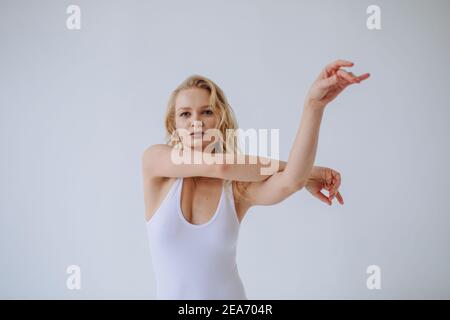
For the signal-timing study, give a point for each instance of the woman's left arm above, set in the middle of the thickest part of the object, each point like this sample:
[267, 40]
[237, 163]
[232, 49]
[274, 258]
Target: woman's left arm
[328, 85]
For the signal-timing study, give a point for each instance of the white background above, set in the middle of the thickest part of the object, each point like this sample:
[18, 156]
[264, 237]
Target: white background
[79, 107]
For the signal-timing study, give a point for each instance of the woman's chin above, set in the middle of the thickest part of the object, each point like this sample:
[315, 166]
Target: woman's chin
[196, 144]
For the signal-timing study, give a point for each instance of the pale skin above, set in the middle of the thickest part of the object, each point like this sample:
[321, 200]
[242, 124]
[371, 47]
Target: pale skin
[199, 201]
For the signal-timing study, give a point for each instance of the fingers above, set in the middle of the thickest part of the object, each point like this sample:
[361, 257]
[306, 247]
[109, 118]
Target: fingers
[339, 197]
[334, 66]
[329, 200]
[333, 187]
[363, 77]
[336, 179]
[341, 78]
[333, 181]
[350, 77]
[323, 198]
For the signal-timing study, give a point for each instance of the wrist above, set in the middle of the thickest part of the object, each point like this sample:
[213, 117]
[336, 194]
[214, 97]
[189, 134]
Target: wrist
[314, 105]
[311, 175]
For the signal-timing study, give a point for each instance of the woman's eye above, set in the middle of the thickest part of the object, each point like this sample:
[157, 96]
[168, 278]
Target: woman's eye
[209, 112]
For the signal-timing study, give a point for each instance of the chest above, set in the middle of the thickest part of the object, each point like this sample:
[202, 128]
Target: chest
[200, 203]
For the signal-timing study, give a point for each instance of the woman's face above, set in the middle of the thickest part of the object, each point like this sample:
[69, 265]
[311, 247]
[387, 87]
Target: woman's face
[194, 114]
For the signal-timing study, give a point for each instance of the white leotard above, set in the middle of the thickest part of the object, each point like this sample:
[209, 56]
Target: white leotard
[193, 261]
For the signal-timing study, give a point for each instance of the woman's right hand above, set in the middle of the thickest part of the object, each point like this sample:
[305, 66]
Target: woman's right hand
[324, 178]
[331, 82]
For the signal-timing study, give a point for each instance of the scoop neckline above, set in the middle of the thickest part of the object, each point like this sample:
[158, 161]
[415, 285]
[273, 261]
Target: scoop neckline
[180, 212]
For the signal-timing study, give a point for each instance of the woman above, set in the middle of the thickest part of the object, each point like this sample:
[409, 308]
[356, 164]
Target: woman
[194, 210]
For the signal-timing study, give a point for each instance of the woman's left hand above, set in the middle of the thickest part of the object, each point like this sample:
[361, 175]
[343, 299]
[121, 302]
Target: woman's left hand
[324, 178]
[331, 82]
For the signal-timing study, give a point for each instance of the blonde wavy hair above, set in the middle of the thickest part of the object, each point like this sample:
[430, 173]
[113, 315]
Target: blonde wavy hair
[229, 142]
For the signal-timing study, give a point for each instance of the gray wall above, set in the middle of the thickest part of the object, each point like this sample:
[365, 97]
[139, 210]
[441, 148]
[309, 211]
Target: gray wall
[78, 107]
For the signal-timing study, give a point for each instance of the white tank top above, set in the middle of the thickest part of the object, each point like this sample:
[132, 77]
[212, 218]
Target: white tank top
[193, 261]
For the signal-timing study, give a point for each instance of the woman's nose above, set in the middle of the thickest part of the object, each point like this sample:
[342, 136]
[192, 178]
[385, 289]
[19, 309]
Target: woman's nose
[197, 124]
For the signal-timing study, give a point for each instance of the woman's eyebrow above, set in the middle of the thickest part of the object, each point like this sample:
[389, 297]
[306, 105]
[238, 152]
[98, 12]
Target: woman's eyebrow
[188, 108]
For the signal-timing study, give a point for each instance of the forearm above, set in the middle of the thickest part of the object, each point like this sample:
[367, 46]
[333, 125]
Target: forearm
[242, 167]
[229, 166]
[252, 168]
[303, 151]
[253, 173]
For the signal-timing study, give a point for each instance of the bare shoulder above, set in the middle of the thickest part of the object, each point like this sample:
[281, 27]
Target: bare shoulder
[153, 152]
[152, 156]
[156, 148]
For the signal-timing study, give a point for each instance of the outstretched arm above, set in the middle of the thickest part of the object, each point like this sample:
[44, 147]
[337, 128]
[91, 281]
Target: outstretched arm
[330, 82]
[158, 161]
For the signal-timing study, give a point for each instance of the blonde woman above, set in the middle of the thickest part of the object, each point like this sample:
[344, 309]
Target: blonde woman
[194, 209]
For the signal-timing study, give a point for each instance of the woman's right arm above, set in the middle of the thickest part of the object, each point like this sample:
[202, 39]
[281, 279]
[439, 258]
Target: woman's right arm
[161, 160]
